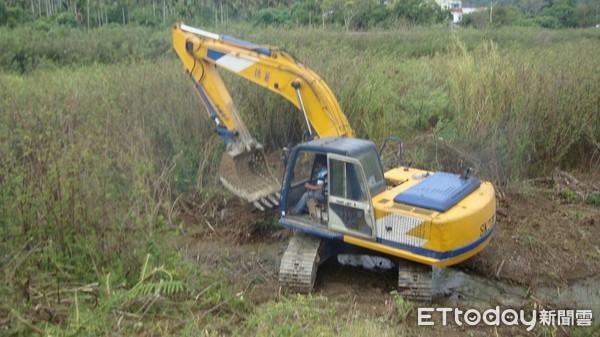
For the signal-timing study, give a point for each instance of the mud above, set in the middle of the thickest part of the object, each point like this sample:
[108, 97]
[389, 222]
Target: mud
[457, 287]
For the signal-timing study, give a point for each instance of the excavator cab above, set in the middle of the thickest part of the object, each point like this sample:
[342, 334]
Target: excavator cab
[354, 173]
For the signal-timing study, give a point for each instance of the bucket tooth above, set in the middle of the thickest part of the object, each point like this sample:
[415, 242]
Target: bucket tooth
[266, 203]
[258, 205]
[273, 200]
[246, 174]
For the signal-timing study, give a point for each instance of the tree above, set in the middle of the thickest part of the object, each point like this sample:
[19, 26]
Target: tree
[2, 13]
[348, 9]
[273, 16]
[479, 19]
[13, 14]
[564, 11]
[504, 15]
[305, 12]
[377, 15]
[588, 14]
[313, 9]
[532, 7]
[419, 11]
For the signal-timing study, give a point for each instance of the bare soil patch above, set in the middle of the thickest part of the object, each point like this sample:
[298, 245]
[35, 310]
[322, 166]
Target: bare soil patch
[542, 238]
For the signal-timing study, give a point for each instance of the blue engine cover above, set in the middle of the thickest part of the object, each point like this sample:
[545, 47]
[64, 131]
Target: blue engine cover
[439, 191]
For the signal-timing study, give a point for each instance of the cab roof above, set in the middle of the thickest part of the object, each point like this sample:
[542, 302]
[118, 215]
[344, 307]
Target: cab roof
[343, 146]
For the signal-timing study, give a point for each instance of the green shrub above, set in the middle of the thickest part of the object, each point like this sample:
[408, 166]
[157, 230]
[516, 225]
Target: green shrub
[13, 16]
[67, 19]
[403, 307]
[593, 198]
[540, 21]
[273, 17]
[144, 17]
[568, 195]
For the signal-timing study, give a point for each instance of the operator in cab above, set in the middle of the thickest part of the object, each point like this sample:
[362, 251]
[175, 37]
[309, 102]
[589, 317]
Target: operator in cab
[316, 191]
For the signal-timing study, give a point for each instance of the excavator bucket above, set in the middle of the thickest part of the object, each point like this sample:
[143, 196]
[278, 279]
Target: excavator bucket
[246, 174]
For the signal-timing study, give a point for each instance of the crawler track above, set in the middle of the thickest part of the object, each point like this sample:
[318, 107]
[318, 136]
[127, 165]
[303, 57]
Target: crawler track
[415, 281]
[299, 263]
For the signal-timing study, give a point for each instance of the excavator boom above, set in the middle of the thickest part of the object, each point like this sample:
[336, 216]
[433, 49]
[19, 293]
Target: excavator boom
[243, 168]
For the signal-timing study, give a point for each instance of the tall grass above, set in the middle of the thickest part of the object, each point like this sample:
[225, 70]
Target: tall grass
[522, 113]
[520, 101]
[114, 130]
[26, 49]
[91, 166]
[514, 103]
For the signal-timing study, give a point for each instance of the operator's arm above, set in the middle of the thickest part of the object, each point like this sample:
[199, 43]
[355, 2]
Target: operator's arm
[313, 187]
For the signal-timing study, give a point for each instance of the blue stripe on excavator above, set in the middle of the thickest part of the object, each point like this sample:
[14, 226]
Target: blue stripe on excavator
[255, 47]
[315, 232]
[226, 135]
[440, 255]
[214, 55]
[200, 92]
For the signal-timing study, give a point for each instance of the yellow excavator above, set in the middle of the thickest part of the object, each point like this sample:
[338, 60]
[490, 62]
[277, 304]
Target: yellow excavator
[335, 193]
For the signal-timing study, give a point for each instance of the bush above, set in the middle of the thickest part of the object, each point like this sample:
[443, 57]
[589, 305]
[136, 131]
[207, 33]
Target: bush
[142, 16]
[13, 16]
[43, 45]
[273, 16]
[502, 106]
[540, 21]
[67, 19]
[86, 167]
[593, 198]
[2, 13]
[563, 11]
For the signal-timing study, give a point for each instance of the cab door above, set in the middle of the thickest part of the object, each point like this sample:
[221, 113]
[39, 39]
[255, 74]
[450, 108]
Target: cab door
[349, 199]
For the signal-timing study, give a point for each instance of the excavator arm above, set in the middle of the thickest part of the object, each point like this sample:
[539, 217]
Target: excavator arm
[243, 167]
[201, 52]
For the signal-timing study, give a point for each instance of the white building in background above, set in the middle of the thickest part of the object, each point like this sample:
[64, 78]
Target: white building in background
[455, 7]
[449, 4]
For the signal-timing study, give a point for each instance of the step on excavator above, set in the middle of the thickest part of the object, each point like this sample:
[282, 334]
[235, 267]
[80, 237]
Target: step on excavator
[416, 218]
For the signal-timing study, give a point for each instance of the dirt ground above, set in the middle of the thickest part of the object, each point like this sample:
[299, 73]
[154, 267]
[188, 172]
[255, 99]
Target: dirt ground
[543, 238]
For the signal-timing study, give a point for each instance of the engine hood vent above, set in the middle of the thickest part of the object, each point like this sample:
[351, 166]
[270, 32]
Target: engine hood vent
[438, 192]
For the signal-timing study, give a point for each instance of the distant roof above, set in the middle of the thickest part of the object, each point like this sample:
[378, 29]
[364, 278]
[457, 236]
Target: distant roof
[469, 10]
